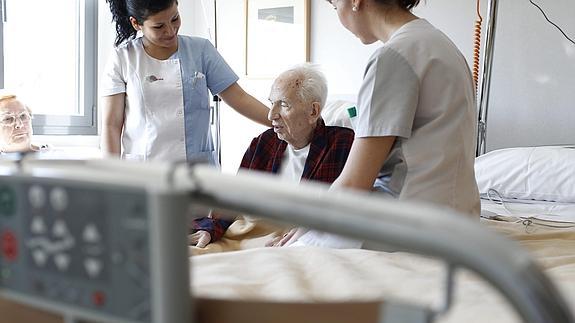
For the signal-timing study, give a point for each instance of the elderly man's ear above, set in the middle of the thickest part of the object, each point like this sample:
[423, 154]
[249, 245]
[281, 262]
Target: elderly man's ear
[315, 112]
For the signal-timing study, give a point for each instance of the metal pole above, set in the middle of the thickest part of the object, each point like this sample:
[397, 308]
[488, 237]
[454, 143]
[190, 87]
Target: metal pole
[217, 100]
[3, 17]
[485, 78]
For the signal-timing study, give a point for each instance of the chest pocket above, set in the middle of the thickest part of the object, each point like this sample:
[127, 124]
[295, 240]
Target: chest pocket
[197, 86]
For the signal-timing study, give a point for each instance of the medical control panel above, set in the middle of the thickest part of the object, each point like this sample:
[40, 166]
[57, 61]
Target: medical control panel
[86, 247]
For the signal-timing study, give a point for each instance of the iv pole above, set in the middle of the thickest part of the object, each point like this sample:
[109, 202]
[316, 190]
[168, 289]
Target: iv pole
[485, 79]
[216, 99]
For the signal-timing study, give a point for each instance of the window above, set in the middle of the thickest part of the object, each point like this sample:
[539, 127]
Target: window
[48, 54]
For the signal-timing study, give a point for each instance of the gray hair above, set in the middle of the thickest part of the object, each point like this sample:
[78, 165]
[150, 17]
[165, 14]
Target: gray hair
[9, 95]
[314, 84]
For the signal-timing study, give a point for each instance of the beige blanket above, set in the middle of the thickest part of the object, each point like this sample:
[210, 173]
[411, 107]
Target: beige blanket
[313, 274]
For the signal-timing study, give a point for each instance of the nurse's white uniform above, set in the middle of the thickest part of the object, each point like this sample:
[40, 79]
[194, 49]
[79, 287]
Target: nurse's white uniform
[167, 101]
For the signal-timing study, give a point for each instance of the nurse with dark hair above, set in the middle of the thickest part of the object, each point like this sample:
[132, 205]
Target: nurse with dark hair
[416, 113]
[155, 87]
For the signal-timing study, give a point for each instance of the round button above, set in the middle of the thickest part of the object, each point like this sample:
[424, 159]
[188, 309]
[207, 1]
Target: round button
[59, 199]
[99, 298]
[37, 196]
[7, 201]
[9, 245]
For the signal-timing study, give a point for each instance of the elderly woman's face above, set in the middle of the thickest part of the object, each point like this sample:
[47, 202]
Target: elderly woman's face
[15, 126]
[292, 119]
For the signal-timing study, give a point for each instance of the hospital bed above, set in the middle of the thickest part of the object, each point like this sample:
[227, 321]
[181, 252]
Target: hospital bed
[529, 184]
[140, 209]
[523, 183]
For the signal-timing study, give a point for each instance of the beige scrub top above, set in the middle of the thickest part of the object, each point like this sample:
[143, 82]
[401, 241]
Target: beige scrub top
[418, 87]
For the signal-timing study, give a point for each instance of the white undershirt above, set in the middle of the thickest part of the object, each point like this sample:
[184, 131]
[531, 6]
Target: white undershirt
[291, 170]
[293, 163]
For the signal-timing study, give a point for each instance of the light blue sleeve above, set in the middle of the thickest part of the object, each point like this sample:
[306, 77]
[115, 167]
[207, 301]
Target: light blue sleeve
[219, 75]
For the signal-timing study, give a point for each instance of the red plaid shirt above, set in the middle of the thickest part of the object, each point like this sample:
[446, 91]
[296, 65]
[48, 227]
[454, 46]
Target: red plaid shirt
[328, 152]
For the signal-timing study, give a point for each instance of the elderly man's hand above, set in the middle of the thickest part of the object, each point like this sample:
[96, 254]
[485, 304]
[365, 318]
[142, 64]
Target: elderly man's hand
[287, 239]
[199, 239]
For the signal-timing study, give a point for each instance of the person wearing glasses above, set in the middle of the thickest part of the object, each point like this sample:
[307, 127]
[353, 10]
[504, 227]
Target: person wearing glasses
[155, 101]
[15, 125]
[416, 114]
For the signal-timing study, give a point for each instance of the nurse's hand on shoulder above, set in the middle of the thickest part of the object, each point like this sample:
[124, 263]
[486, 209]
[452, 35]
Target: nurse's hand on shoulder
[199, 239]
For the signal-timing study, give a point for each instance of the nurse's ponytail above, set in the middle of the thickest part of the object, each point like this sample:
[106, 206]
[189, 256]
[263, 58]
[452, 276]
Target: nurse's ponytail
[403, 4]
[408, 4]
[122, 10]
[121, 17]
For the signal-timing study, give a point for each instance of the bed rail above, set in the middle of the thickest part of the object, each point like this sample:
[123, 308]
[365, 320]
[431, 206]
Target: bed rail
[423, 229]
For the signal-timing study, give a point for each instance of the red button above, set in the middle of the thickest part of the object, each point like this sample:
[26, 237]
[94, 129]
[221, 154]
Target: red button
[9, 245]
[99, 298]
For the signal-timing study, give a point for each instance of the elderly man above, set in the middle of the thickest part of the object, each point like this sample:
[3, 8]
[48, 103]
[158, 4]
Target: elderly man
[298, 147]
[15, 125]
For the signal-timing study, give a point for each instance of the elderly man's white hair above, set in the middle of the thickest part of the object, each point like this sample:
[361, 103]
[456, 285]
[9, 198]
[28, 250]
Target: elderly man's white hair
[313, 83]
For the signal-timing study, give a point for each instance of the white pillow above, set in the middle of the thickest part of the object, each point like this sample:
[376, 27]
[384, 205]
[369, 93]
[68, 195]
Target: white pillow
[531, 173]
[335, 113]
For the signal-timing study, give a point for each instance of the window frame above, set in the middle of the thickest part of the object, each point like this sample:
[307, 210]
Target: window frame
[86, 77]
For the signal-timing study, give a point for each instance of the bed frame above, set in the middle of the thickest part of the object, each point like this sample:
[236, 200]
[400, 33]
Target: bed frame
[417, 228]
[485, 78]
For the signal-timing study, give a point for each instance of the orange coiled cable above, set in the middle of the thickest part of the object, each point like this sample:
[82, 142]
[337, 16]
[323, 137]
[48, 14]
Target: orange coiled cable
[477, 46]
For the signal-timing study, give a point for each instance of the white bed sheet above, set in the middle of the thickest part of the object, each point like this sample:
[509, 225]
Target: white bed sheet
[316, 274]
[311, 274]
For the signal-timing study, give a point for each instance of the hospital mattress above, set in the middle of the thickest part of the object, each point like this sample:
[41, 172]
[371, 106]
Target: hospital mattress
[296, 274]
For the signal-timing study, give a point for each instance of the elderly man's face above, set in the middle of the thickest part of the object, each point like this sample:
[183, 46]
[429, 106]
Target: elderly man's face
[293, 120]
[15, 126]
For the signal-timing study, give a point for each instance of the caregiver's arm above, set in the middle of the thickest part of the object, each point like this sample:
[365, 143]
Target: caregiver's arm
[245, 104]
[365, 160]
[113, 115]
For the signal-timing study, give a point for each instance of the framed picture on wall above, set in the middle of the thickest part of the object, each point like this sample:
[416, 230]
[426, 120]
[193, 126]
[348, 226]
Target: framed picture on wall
[277, 36]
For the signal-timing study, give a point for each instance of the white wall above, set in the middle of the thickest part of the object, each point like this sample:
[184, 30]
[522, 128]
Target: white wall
[340, 55]
[532, 76]
[532, 97]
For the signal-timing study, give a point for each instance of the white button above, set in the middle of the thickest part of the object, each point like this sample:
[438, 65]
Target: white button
[180, 112]
[37, 196]
[59, 199]
[39, 257]
[37, 226]
[93, 267]
[59, 229]
[62, 261]
[91, 234]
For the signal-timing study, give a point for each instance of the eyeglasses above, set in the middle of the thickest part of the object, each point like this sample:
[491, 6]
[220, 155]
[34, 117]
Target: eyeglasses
[9, 120]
